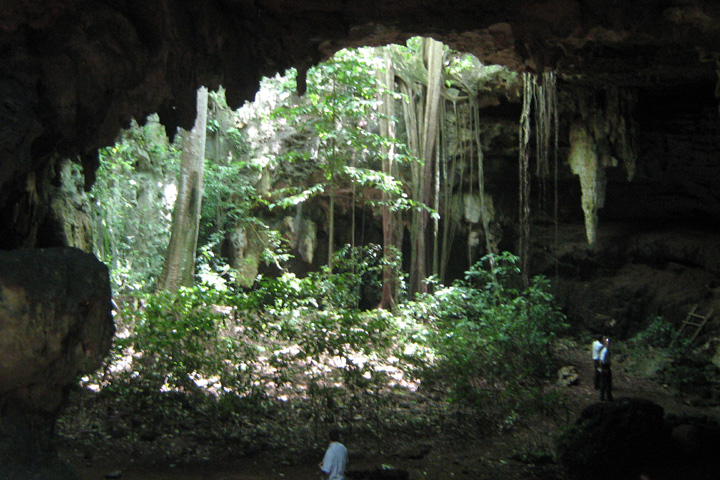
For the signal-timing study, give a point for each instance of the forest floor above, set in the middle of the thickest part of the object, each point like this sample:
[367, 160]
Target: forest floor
[456, 452]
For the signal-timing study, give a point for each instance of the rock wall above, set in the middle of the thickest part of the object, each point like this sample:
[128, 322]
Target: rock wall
[74, 71]
[55, 324]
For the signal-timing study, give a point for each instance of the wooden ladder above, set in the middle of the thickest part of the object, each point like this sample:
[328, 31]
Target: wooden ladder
[693, 319]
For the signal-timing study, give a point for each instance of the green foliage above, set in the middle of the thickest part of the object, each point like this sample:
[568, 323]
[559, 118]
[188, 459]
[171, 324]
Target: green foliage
[357, 275]
[131, 207]
[337, 112]
[228, 199]
[658, 352]
[202, 355]
[231, 350]
[659, 334]
[494, 342]
[357, 271]
[652, 350]
[285, 292]
[179, 335]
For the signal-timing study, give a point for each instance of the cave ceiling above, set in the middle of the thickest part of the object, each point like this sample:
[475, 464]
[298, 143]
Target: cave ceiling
[73, 72]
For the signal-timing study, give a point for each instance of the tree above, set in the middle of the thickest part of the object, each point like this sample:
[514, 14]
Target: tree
[386, 76]
[422, 84]
[179, 265]
[338, 109]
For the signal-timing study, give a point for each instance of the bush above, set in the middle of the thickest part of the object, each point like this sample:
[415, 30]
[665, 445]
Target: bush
[494, 342]
[176, 341]
[659, 334]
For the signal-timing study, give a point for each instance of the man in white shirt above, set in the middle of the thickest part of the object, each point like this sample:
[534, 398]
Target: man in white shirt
[336, 458]
[597, 345]
[606, 373]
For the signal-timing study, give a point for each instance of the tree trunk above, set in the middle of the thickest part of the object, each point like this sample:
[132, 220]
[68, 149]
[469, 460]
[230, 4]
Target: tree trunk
[387, 130]
[331, 232]
[179, 265]
[434, 51]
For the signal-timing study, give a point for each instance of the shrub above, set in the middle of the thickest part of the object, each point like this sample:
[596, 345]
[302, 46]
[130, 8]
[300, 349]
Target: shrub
[494, 342]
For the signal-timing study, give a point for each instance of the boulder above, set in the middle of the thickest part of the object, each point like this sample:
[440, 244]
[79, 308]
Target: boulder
[618, 440]
[697, 438]
[567, 376]
[55, 324]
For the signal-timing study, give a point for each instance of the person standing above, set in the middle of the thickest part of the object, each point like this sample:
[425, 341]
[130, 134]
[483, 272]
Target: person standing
[597, 345]
[605, 372]
[336, 458]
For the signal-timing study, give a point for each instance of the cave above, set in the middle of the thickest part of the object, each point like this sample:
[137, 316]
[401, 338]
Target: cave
[638, 87]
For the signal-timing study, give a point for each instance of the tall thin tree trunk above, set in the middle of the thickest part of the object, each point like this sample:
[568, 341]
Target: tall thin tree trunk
[179, 267]
[449, 181]
[436, 207]
[353, 222]
[387, 130]
[331, 231]
[434, 51]
[331, 197]
[411, 125]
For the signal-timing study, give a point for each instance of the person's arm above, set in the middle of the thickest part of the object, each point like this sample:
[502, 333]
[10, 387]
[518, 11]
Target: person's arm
[325, 464]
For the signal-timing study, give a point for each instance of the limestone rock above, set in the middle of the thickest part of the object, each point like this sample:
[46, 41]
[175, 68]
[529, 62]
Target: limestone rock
[567, 376]
[55, 324]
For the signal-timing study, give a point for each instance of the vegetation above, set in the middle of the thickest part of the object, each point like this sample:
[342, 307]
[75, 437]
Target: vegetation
[658, 352]
[298, 351]
[132, 203]
[494, 341]
[251, 345]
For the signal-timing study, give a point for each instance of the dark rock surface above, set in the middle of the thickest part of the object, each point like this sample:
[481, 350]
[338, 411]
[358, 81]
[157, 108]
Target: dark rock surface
[616, 440]
[55, 324]
[73, 72]
[632, 437]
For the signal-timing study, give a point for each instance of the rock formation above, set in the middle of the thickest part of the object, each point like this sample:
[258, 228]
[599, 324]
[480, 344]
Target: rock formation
[55, 324]
[75, 71]
[632, 438]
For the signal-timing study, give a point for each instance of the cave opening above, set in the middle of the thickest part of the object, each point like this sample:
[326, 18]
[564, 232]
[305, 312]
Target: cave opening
[281, 338]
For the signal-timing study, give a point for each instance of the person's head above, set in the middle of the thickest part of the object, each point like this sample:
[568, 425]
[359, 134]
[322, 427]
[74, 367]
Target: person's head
[601, 338]
[334, 434]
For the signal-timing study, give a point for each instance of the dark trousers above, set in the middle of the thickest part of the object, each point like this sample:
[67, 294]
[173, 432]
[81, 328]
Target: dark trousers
[606, 384]
[596, 371]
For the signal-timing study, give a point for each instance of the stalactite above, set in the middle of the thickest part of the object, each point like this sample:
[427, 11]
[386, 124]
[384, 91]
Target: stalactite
[604, 136]
[585, 163]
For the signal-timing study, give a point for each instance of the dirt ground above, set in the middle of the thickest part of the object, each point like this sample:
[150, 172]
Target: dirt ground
[512, 455]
